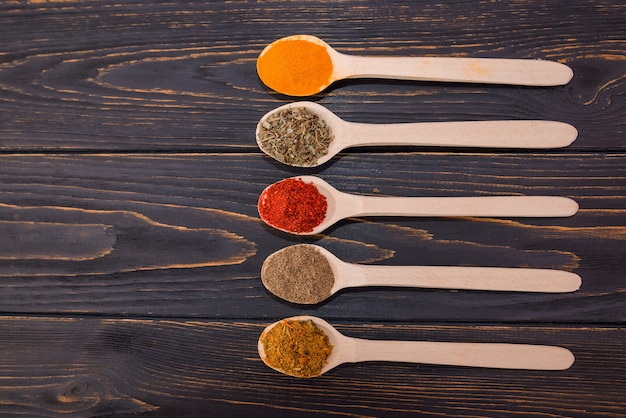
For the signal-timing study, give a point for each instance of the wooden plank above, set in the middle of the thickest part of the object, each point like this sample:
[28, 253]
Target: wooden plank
[171, 368]
[130, 245]
[91, 75]
[180, 235]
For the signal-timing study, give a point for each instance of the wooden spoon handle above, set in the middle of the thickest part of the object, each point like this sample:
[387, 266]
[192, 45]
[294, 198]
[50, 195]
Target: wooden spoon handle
[526, 72]
[465, 278]
[493, 355]
[530, 134]
[484, 206]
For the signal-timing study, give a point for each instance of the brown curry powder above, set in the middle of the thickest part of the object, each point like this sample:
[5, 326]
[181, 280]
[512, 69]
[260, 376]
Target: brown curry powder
[299, 348]
[295, 67]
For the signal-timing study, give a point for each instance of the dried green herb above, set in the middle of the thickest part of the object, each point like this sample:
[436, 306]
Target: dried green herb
[295, 136]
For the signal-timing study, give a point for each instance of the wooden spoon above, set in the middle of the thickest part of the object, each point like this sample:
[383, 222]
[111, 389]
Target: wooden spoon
[480, 134]
[348, 275]
[343, 205]
[527, 72]
[492, 355]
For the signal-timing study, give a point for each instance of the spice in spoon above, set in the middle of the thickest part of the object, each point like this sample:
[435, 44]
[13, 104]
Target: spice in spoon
[299, 273]
[295, 66]
[295, 136]
[298, 348]
[293, 205]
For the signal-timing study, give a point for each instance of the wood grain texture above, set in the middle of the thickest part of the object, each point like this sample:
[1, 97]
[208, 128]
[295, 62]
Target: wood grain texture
[131, 247]
[185, 228]
[151, 368]
[168, 76]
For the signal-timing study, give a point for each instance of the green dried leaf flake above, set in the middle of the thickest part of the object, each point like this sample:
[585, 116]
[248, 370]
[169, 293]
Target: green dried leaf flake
[295, 136]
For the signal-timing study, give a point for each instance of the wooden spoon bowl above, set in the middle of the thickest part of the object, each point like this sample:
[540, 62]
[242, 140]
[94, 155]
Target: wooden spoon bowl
[528, 72]
[491, 355]
[528, 134]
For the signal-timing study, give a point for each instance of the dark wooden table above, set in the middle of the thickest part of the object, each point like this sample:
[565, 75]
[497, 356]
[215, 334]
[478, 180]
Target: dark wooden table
[131, 246]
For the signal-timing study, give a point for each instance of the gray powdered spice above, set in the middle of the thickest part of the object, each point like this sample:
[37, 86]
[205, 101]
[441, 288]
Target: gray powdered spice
[298, 274]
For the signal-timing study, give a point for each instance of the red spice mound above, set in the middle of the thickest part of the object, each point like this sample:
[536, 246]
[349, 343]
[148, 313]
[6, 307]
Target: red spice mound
[293, 205]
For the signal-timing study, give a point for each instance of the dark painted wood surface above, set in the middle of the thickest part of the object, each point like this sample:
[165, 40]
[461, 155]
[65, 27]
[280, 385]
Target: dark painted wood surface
[131, 245]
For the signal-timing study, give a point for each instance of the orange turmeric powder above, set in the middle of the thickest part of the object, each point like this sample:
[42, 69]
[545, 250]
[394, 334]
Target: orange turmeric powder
[296, 67]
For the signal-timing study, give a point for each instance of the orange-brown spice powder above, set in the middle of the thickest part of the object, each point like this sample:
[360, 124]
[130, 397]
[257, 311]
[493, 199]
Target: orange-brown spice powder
[299, 348]
[295, 67]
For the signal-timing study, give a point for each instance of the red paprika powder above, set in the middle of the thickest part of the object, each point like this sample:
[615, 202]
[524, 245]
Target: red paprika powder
[293, 205]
